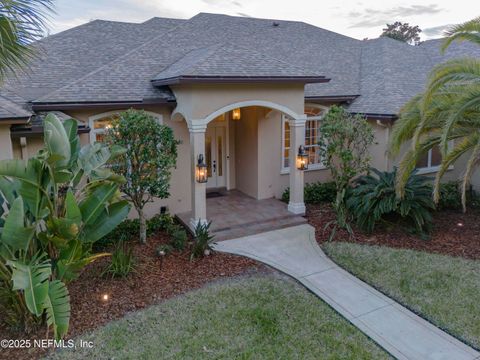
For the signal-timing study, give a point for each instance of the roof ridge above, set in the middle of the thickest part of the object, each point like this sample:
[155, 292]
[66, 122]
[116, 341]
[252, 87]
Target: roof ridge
[109, 63]
[280, 21]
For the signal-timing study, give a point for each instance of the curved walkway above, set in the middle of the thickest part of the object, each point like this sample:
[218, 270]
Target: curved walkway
[403, 334]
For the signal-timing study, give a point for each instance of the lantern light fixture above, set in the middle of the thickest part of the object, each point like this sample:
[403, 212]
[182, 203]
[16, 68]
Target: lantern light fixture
[236, 114]
[302, 158]
[201, 170]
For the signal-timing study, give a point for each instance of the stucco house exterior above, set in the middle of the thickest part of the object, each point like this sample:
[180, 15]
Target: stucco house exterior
[245, 93]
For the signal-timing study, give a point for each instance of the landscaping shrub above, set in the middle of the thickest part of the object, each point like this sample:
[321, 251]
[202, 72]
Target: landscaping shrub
[122, 262]
[203, 240]
[315, 193]
[125, 231]
[178, 237]
[159, 222]
[344, 147]
[451, 197]
[373, 200]
[151, 155]
[53, 208]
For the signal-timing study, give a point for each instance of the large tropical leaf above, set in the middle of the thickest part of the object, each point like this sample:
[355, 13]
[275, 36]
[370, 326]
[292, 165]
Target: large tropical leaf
[57, 306]
[72, 211]
[33, 279]
[15, 235]
[96, 202]
[57, 141]
[106, 221]
[33, 180]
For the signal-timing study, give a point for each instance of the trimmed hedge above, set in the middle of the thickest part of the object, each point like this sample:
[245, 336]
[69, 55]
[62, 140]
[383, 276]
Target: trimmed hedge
[315, 193]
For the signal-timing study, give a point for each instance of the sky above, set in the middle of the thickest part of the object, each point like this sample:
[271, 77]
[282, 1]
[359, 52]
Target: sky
[356, 18]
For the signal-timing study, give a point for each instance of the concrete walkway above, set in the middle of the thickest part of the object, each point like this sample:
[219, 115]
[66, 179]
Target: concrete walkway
[403, 334]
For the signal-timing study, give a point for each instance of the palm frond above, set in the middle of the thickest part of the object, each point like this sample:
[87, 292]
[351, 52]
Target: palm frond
[21, 23]
[467, 31]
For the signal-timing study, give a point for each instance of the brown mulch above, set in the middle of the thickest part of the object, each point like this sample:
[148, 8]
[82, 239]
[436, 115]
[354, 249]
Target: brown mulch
[454, 233]
[152, 282]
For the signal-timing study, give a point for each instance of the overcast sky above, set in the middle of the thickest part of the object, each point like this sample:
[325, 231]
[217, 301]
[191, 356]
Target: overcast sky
[356, 18]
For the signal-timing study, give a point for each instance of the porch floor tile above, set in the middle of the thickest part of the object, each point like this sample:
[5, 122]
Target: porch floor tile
[235, 214]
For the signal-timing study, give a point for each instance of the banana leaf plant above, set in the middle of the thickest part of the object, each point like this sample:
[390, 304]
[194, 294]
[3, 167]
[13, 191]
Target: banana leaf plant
[53, 207]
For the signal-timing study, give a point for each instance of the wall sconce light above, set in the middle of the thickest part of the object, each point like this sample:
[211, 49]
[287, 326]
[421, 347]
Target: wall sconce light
[302, 158]
[201, 170]
[236, 114]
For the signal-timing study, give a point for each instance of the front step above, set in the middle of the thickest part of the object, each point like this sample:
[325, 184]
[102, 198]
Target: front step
[257, 227]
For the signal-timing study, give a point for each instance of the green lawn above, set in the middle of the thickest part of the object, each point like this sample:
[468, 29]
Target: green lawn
[261, 317]
[443, 289]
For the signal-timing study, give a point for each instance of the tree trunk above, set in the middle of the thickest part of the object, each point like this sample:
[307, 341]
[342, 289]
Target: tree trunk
[143, 226]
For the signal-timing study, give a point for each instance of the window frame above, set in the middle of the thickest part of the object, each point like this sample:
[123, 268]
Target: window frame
[311, 167]
[92, 119]
[429, 168]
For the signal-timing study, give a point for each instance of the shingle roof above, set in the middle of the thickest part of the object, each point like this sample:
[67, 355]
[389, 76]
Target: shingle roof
[112, 61]
[11, 110]
[229, 62]
[70, 55]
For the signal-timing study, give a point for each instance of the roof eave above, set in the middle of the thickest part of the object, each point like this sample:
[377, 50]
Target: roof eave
[238, 80]
[38, 130]
[14, 120]
[45, 106]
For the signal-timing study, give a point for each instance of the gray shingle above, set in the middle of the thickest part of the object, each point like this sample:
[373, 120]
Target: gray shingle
[226, 60]
[11, 110]
[110, 61]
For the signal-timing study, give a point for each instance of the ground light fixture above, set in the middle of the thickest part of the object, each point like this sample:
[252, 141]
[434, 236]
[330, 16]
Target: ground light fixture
[302, 158]
[201, 170]
[236, 114]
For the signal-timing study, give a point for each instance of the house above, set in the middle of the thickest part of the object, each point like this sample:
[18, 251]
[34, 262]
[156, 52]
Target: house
[245, 93]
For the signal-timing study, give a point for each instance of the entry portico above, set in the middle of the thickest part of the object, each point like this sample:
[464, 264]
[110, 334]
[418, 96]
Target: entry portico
[201, 104]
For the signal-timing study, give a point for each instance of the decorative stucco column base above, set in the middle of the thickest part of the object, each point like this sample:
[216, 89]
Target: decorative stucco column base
[199, 190]
[297, 138]
[296, 208]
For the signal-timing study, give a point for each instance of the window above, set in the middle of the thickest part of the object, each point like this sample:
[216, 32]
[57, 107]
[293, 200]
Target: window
[312, 136]
[101, 122]
[430, 161]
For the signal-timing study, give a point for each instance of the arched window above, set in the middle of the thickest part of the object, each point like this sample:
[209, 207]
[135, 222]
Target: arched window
[99, 123]
[315, 114]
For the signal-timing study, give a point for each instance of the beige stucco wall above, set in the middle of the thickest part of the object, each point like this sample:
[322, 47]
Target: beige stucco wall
[246, 151]
[6, 151]
[254, 152]
[200, 101]
[180, 199]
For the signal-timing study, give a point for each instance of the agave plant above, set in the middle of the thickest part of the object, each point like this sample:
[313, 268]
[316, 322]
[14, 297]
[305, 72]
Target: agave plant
[447, 112]
[54, 206]
[373, 200]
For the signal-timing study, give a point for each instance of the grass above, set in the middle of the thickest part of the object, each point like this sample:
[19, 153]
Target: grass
[443, 289]
[261, 317]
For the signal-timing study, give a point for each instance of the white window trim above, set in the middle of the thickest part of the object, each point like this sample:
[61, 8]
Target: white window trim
[311, 167]
[432, 169]
[101, 116]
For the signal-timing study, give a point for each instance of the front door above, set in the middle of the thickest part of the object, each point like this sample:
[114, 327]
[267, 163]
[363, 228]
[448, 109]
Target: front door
[215, 154]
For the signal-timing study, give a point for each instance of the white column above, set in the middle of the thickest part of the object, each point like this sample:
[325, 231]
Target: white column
[297, 138]
[197, 146]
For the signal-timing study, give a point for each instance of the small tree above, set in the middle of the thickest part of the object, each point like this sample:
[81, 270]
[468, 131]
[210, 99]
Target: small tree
[344, 143]
[151, 154]
[403, 32]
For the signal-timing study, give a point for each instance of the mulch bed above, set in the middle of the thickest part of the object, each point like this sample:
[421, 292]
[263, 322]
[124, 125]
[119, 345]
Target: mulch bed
[152, 282]
[454, 233]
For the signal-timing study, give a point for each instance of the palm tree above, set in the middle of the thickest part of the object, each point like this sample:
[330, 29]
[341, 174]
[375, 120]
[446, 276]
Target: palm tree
[21, 23]
[447, 112]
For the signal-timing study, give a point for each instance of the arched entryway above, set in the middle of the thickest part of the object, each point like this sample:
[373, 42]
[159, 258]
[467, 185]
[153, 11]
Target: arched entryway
[244, 147]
